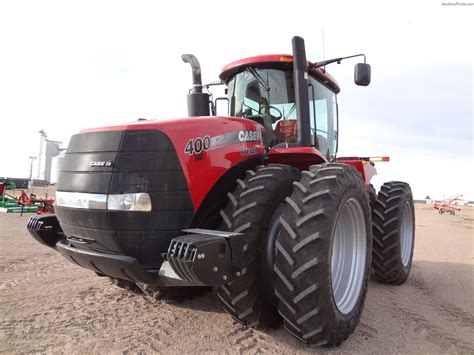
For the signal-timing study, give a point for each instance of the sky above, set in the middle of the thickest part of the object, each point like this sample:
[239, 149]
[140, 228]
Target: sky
[66, 65]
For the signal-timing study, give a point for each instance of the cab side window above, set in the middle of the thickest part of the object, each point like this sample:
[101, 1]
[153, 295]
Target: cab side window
[323, 117]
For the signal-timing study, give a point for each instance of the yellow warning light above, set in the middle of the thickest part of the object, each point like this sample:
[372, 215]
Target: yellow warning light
[379, 159]
[286, 59]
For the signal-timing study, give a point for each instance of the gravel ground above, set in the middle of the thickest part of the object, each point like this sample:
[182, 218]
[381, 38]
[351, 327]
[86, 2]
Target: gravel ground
[50, 305]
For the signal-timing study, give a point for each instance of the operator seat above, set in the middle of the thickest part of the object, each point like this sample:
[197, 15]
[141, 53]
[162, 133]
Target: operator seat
[286, 131]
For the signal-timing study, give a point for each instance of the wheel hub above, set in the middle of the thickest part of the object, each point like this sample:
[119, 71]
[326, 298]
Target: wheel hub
[348, 258]
[406, 234]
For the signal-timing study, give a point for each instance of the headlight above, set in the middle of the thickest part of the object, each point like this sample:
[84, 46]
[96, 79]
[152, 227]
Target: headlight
[129, 202]
[81, 200]
[120, 202]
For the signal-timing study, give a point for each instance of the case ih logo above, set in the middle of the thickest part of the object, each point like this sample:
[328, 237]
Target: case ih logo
[250, 136]
[100, 163]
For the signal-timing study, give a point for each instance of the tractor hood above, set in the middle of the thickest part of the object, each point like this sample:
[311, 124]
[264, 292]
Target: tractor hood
[163, 169]
[234, 138]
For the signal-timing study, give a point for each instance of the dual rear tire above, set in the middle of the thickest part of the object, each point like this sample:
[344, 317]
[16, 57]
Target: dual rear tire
[326, 249]
[393, 232]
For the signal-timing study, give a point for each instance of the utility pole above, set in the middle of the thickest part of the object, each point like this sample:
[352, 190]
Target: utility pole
[43, 138]
[30, 182]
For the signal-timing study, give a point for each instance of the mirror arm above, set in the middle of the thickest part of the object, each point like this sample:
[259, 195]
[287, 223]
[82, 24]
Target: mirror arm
[335, 60]
[214, 83]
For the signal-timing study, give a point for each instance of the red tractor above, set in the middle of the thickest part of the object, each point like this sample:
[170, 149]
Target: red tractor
[255, 203]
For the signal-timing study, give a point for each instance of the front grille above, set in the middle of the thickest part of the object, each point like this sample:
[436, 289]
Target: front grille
[143, 161]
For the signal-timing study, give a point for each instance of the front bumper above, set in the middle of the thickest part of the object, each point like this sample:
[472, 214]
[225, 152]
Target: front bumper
[120, 266]
[46, 230]
[202, 258]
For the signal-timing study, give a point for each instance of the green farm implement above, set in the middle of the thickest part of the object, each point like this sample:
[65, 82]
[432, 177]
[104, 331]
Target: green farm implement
[25, 203]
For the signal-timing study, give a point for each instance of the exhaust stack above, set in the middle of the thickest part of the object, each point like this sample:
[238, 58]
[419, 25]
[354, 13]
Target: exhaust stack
[300, 77]
[198, 102]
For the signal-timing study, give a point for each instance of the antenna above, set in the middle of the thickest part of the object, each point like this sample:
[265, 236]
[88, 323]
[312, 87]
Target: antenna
[324, 51]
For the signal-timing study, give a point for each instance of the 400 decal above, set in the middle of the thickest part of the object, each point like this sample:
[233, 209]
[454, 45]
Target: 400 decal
[197, 145]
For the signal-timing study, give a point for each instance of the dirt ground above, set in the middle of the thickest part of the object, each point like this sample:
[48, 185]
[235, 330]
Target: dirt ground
[49, 305]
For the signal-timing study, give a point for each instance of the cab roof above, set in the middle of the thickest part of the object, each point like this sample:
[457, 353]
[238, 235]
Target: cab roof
[276, 61]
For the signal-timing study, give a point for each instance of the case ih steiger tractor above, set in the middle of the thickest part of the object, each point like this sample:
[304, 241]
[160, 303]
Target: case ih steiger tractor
[255, 204]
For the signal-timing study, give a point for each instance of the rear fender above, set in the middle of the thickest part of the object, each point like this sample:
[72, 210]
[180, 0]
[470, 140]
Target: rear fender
[364, 167]
[299, 157]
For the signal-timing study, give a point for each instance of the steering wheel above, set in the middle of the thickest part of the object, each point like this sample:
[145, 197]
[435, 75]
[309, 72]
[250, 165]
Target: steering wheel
[270, 107]
[275, 118]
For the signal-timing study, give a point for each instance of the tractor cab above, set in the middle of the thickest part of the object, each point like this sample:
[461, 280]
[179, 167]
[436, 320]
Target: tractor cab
[262, 89]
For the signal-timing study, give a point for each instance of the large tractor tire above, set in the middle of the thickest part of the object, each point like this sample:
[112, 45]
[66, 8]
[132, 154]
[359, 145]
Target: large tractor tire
[394, 233]
[249, 299]
[323, 255]
[372, 196]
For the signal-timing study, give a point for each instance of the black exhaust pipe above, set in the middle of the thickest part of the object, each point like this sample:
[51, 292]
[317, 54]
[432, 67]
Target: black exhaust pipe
[198, 102]
[300, 77]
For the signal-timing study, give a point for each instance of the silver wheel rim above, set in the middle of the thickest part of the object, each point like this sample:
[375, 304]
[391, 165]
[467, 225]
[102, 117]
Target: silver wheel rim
[406, 234]
[348, 257]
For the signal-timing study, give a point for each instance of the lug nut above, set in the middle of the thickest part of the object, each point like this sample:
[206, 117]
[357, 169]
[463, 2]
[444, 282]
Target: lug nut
[201, 256]
[224, 277]
[215, 269]
[237, 273]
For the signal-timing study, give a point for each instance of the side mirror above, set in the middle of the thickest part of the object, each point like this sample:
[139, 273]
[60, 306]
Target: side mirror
[362, 74]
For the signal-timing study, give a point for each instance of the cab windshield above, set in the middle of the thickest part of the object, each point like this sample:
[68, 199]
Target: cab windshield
[267, 96]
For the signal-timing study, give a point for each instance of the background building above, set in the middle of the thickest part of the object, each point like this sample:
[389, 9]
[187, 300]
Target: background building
[48, 149]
